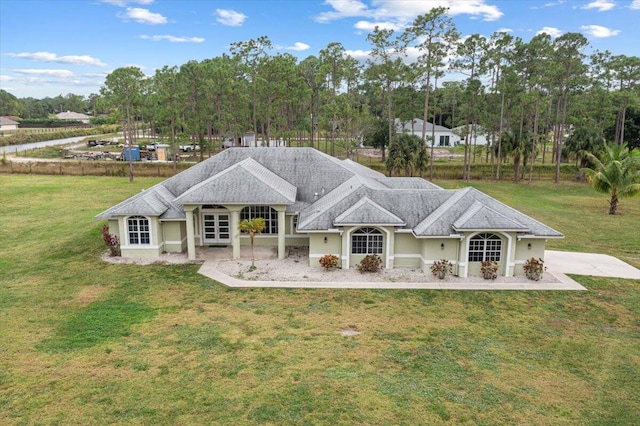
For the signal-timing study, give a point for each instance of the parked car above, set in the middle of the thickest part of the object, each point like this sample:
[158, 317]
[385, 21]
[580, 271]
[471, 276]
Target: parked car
[190, 148]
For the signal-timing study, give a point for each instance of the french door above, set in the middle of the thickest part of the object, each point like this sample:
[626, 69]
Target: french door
[216, 228]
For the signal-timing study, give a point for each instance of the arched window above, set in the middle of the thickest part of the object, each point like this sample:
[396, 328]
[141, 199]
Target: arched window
[366, 241]
[485, 247]
[138, 230]
[269, 215]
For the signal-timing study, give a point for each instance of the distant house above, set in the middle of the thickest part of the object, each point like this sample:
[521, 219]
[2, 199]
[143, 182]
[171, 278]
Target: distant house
[331, 206]
[443, 136]
[73, 116]
[8, 124]
[477, 134]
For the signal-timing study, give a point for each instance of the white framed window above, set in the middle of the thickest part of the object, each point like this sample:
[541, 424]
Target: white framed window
[444, 140]
[269, 215]
[366, 241]
[485, 247]
[138, 230]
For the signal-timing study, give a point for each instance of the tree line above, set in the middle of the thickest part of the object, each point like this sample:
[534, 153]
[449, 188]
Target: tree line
[541, 100]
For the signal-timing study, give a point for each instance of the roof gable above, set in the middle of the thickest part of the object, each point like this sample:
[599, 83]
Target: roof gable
[260, 186]
[4, 121]
[366, 211]
[481, 217]
[156, 201]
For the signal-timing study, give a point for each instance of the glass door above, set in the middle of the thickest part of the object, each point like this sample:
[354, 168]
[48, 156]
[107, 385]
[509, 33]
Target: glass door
[216, 228]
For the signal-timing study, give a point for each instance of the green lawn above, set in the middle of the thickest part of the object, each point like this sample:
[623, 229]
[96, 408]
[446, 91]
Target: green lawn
[85, 342]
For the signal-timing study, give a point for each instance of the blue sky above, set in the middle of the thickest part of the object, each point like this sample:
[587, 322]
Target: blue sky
[50, 48]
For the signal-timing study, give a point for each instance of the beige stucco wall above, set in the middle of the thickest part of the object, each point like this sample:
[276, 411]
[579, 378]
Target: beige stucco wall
[114, 228]
[432, 250]
[318, 247]
[524, 253]
[407, 250]
[175, 236]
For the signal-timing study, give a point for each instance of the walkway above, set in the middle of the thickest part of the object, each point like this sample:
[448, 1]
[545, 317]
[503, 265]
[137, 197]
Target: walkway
[213, 257]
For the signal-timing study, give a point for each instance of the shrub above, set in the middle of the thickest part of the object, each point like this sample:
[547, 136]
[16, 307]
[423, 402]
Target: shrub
[329, 261]
[440, 268]
[533, 268]
[112, 241]
[489, 269]
[370, 263]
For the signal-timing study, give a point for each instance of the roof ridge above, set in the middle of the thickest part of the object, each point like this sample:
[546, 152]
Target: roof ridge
[515, 211]
[325, 203]
[475, 208]
[263, 174]
[437, 213]
[366, 201]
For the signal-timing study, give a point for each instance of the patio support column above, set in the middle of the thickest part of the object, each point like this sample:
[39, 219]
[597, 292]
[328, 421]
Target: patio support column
[281, 231]
[235, 232]
[191, 240]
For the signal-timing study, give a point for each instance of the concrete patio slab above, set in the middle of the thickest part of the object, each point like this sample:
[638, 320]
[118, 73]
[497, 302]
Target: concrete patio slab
[209, 269]
[598, 265]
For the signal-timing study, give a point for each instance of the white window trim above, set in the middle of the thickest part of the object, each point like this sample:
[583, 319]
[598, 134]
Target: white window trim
[127, 232]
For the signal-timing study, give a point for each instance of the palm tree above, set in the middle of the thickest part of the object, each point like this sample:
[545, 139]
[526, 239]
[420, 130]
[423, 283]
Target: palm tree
[617, 174]
[252, 227]
[405, 153]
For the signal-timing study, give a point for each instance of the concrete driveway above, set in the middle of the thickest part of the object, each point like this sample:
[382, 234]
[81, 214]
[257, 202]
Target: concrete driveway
[599, 265]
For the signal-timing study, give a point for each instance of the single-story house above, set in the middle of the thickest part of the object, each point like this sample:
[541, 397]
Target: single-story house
[73, 116]
[477, 134]
[331, 206]
[249, 140]
[8, 124]
[443, 136]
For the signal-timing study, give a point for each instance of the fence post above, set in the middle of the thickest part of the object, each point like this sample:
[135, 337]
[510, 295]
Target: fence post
[61, 168]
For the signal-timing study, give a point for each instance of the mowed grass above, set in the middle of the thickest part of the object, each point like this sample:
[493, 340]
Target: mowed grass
[86, 342]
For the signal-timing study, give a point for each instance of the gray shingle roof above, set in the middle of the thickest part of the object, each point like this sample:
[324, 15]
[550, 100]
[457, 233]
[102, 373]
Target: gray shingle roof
[481, 217]
[366, 211]
[259, 186]
[327, 193]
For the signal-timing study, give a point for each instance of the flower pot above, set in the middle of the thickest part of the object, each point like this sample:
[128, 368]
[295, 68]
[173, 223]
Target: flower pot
[442, 274]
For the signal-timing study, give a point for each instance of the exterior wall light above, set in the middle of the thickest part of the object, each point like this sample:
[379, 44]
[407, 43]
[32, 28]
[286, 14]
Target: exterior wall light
[442, 246]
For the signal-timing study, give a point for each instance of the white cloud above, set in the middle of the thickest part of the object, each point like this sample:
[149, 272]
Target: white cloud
[172, 39]
[553, 32]
[359, 54]
[143, 16]
[47, 72]
[635, 5]
[344, 9]
[230, 18]
[370, 26]
[504, 30]
[52, 57]
[400, 13]
[5, 78]
[599, 31]
[600, 5]
[298, 46]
